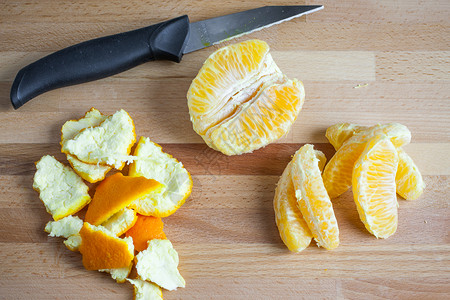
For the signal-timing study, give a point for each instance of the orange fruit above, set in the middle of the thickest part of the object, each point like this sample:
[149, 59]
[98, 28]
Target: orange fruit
[341, 132]
[146, 228]
[312, 198]
[374, 189]
[408, 179]
[337, 175]
[292, 227]
[115, 193]
[101, 249]
[240, 101]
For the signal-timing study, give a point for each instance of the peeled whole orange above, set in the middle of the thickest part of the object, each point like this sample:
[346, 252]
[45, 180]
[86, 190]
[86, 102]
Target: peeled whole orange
[240, 101]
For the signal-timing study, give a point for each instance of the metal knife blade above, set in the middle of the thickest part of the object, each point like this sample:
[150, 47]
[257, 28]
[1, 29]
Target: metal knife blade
[213, 31]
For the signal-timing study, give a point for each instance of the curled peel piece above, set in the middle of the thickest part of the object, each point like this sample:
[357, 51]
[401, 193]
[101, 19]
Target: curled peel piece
[117, 192]
[61, 190]
[89, 172]
[107, 144]
[64, 227]
[146, 228]
[151, 162]
[102, 249]
[159, 264]
[121, 221]
[144, 290]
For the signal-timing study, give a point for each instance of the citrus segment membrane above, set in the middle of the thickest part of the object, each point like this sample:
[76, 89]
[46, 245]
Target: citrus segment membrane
[341, 132]
[226, 79]
[61, 190]
[240, 101]
[151, 162]
[374, 188]
[337, 175]
[292, 227]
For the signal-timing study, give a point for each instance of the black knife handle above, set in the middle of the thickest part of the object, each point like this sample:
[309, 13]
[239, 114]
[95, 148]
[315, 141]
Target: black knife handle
[100, 58]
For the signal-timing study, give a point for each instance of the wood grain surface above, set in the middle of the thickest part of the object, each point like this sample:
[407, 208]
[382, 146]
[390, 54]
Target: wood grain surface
[398, 52]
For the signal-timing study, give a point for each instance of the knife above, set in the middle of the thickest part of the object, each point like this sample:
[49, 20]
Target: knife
[169, 40]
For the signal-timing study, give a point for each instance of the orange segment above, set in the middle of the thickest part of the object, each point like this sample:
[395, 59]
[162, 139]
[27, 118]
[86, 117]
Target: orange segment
[408, 179]
[341, 132]
[337, 175]
[101, 249]
[263, 121]
[292, 227]
[374, 186]
[240, 101]
[224, 74]
[410, 184]
[312, 198]
[115, 193]
[146, 228]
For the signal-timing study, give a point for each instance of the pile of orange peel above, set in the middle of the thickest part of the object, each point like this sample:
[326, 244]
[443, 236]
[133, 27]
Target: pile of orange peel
[122, 224]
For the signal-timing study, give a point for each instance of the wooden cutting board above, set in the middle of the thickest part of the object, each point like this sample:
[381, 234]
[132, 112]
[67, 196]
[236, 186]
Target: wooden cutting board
[364, 62]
